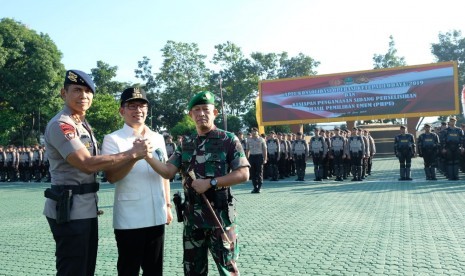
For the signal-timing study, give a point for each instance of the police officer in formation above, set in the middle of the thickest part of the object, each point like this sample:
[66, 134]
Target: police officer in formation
[404, 149]
[283, 156]
[453, 144]
[372, 149]
[337, 153]
[318, 149]
[12, 163]
[3, 176]
[428, 147]
[292, 169]
[356, 153]
[257, 155]
[25, 163]
[273, 150]
[37, 163]
[300, 154]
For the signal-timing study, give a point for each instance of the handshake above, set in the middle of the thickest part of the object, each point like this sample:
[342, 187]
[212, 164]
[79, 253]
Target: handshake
[142, 148]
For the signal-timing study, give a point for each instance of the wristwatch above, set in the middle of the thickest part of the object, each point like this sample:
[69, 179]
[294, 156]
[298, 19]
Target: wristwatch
[213, 182]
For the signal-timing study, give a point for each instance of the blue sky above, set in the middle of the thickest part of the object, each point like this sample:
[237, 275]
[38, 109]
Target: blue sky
[342, 35]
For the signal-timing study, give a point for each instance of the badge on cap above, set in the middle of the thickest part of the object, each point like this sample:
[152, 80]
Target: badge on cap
[72, 77]
[136, 93]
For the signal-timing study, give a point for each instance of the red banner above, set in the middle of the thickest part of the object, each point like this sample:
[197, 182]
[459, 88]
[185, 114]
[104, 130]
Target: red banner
[411, 91]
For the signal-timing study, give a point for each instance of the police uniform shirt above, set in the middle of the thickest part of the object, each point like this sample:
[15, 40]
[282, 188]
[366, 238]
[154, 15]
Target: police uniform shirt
[256, 145]
[356, 144]
[139, 199]
[64, 136]
[170, 148]
[37, 155]
[300, 147]
[338, 144]
[318, 144]
[2, 158]
[272, 146]
[427, 140]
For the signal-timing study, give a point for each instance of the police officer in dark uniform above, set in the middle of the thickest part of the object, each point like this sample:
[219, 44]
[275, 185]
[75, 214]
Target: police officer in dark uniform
[25, 164]
[283, 156]
[2, 165]
[12, 161]
[404, 149]
[37, 162]
[337, 153]
[428, 146]
[453, 145]
[300, 153]
[318, 149]
[441, 160]
[71, 204]
[356, 153]
[273, 149]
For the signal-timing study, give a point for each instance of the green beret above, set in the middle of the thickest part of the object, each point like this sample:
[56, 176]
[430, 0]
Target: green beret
[204, 97]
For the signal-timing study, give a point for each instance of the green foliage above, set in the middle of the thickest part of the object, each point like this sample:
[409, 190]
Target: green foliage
[185, 127]
[182, 74]
[102, 77]
[282, 129]
[30, 68]
[234, 123]
[239, 80]
[104, 116]
[299, 66]
[390, 59]
[249, 118]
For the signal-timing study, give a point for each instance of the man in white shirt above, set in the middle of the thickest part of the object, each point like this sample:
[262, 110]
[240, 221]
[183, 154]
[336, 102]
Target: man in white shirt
[141, 205]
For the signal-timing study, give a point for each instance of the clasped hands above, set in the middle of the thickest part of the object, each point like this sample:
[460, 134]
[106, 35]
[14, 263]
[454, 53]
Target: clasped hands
[142, 148]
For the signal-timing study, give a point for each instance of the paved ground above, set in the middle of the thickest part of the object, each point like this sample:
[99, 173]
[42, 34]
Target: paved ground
[376, 227]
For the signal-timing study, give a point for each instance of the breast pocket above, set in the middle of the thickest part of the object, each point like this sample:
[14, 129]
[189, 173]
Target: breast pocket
[214, 165]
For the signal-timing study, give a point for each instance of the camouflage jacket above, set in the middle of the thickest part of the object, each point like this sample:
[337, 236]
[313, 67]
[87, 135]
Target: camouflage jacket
[213, 155]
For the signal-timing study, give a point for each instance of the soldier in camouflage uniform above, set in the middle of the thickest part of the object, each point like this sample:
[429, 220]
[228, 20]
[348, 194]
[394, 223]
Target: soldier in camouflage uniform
[218, 161]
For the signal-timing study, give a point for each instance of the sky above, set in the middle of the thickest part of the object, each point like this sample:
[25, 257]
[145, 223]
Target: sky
[342, 35]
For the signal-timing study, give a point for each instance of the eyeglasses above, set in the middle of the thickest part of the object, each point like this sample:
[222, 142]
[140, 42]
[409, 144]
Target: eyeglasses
[132, 106]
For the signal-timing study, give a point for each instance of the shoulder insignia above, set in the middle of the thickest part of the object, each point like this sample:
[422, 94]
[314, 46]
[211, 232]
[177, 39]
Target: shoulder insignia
[68, 131]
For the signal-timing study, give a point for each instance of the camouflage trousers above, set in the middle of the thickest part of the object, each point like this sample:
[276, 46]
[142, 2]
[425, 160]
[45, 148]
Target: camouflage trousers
[198, 241]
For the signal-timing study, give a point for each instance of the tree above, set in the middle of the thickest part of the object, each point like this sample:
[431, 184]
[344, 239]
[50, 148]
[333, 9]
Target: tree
[102, 77]
[390, 59]
[451, 47]
[184, 127]
[182, 74]
[30, 72]
[239, 78]
[104, 116]
[266, 65]
[298, 66]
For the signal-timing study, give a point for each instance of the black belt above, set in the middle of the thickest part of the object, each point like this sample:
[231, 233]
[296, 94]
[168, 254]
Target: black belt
[78, 189]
